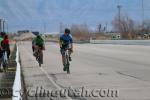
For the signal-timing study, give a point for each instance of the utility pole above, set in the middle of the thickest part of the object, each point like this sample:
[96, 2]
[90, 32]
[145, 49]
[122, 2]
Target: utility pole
[119, 15]
[106, 27]
[142, 14]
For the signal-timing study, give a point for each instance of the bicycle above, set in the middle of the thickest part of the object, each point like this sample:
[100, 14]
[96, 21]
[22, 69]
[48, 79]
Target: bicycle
[39, 56]
[67, 62]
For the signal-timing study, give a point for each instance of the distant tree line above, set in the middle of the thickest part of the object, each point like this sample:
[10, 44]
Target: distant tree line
[129, 28]
[123, 24]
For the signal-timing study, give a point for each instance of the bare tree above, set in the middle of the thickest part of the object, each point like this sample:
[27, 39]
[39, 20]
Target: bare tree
[80, 32]
[147, 27]
[125, 25]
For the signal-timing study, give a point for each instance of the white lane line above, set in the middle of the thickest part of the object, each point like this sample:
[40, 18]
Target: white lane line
[50, 79]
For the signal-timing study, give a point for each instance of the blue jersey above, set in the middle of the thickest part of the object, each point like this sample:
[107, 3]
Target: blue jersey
[65, 40]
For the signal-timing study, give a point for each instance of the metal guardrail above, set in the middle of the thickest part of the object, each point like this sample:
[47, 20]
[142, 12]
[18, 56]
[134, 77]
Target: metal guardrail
[121, 42]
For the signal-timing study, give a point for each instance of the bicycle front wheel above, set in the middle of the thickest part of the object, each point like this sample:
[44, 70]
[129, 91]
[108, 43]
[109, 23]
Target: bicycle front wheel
[40, 60]
[68, 68]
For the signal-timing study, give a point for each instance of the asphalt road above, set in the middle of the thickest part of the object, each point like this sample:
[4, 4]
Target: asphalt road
[123, 68]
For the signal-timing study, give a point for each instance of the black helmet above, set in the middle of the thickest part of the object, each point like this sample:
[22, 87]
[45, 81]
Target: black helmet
[38, 36]
[3, 34]
[67, 30]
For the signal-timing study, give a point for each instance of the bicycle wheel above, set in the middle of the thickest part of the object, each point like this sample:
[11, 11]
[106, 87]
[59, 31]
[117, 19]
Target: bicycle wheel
[40, 58]
[40, 64]
[67, 64]
[68, 69]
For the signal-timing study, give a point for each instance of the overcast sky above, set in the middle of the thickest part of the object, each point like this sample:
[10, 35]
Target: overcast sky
[35, 14]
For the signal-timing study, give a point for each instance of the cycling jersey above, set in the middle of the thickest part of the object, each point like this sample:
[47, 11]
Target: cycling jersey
[65, 40]
[39, 41]
[5, 45]
[1, 39]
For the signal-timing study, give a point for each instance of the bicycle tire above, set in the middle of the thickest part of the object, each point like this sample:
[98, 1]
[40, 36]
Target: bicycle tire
[39, 64]
[40, 60]
[67, 64]
[68, 69]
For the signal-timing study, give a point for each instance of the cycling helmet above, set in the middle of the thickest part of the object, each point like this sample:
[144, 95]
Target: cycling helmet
[3, 34]
[67, 30]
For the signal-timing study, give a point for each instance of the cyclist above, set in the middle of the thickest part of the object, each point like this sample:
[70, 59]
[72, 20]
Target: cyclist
[2, 35]
[39, 45]
[1, 51]
[66, 42]
[5, 45]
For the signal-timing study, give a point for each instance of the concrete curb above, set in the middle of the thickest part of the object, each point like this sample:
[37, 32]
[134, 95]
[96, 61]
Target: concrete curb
[17, 81]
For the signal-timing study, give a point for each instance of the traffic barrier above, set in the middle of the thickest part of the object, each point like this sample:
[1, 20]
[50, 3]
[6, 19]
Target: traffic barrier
[17, 81]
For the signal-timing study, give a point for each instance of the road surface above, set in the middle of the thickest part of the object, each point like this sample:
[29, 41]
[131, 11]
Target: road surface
[124, 68]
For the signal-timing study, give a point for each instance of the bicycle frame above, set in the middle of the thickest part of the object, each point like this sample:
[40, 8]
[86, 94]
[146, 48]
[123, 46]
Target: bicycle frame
[38, 55]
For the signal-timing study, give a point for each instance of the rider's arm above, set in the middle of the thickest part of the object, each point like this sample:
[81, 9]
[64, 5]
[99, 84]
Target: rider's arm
[71, 41]
[60, 42]
[43, 42]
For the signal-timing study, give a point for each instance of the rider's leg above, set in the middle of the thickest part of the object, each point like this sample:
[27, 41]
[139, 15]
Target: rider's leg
[70, 55]
[63, 58]
[62, 51]
[40, 52]
[8, 53]
[63, 61]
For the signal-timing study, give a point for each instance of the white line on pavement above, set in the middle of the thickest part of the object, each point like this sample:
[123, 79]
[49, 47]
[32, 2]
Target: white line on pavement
[51, 80]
